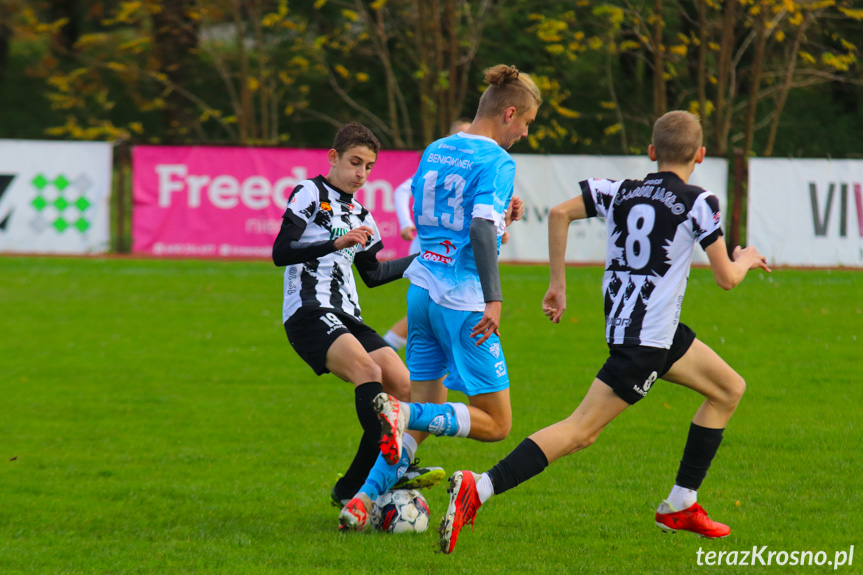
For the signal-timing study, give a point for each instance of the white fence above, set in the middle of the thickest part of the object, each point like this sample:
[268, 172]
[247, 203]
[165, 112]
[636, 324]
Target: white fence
[807, 212]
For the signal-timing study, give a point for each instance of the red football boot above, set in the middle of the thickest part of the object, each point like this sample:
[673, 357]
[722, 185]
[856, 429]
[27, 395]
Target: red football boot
[463, 503]
[394, 416]
[355, 515]
[694, 518]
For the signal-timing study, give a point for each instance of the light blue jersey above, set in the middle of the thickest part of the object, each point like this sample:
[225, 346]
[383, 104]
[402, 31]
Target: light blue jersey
[460, 177]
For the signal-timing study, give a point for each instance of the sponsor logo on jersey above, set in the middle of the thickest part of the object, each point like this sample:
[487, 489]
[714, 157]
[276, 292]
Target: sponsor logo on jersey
[433, 257]
[325, 206]
[337, 233]
[447, 244]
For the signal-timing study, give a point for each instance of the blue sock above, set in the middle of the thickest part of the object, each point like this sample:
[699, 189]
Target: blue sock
[435, 418]
[383, 475]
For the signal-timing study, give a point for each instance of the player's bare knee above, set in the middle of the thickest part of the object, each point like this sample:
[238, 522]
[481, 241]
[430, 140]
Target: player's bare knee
[499, 431]
[729, 393]
[401, 390]
[504, 430]
[736, 390]
[365, 369]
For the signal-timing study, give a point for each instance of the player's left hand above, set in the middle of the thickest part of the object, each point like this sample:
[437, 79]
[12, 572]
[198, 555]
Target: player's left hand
[515, 210]
[361, 235]
[489, 323]
[554, 304]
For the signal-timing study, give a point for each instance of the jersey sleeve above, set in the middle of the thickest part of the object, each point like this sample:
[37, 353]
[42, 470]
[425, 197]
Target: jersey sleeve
[302, 204]
[706, 219]
[402, 198]
[495, 192]
[598, 195]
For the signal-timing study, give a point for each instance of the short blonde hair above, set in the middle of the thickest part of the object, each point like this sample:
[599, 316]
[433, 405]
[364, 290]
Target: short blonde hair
[677, 137]
[507, 87]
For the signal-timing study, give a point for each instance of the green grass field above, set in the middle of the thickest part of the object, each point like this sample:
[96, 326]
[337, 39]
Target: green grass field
[154, 419]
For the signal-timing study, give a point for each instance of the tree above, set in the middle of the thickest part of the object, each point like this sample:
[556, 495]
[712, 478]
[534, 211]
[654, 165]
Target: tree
[274, 71]
[746, 56]
[418, 50]
[168, 57]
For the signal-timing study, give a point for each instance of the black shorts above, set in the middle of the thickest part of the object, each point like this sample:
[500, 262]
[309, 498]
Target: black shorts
[630, 370]
[311, 332]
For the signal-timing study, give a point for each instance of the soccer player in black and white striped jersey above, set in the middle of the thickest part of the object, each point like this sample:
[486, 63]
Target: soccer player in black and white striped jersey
[325, 232]
[652, 225]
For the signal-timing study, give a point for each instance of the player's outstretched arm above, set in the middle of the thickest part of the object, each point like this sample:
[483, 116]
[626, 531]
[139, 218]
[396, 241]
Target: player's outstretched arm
[729, 272]
[554, 302]
[375, 273]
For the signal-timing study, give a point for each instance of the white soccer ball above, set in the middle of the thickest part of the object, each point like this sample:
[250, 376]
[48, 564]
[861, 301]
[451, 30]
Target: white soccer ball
[401, 511]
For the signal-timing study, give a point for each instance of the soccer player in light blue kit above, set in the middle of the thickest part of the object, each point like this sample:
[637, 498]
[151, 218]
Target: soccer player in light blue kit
[462, 191]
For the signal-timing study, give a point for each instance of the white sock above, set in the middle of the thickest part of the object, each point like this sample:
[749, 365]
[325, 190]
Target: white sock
[409, 445]
[395, 340]
[462, 416]
[484, 488]
[680, 497]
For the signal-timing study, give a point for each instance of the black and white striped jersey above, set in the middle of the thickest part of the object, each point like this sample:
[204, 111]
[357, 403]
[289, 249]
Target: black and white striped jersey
[652, 227]
[318, 213]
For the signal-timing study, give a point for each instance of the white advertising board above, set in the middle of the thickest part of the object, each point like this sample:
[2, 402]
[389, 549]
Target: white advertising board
[54, 197]
[806, 212]
[546, 181]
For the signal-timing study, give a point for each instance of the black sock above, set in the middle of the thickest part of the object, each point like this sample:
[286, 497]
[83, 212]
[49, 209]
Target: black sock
[525, 461]
[701, 446]
[369, 448]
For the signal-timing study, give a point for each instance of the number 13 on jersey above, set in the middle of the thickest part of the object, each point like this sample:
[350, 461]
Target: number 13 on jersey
[449, 214]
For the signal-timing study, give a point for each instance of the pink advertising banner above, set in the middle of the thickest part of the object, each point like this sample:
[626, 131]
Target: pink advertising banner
[192, 201]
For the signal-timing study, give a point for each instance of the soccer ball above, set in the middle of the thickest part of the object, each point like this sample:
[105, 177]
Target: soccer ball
[401, 511]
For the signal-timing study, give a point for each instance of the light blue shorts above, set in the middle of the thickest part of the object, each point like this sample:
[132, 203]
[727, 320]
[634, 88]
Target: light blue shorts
[439, 343]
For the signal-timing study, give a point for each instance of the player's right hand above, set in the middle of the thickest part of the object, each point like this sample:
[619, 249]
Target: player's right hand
[408, 233]
[360, 235]
[751, 256]
[489, 323]
[554, 304]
